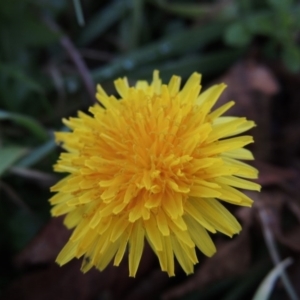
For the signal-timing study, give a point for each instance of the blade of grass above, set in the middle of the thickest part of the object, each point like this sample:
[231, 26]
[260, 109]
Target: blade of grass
[187, 40]
[39, 153]
[79, 13]
[103, 20]
[29, 123]
[9, 155]
[14, 196]
[124, 34]
[206, 64]
[265, 289]
[190, 10]
[44, 178]
[137, 23]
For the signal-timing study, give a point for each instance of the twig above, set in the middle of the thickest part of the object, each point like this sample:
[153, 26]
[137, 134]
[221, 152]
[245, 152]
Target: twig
[271, 245]
[74, 56]
[16, 199]
[39, 176]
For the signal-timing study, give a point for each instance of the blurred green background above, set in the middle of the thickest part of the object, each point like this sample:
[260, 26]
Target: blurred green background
[53, 52]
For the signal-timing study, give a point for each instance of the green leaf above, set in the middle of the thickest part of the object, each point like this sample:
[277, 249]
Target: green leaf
[9, 155]
[29, 123]
[261, 23]
[265, 289]
[230, 11]
[280, 4]
[237, 35]
[295, 14]
[291, 58]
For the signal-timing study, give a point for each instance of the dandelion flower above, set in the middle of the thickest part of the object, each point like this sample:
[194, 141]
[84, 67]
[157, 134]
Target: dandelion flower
[153, 165]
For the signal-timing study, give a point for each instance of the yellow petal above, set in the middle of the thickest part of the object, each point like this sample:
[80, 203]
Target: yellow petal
[200, 237]
[136, 245]
[196, 214]
[239, 182]
[181, 256]
[107, 256]
[181, 235]
[122, 247]
[220, 111]
[122, 87]
[162, 223]
[174, 85]
[67, 253]
[208, 98]
[118, 227]
[153, 233]
[218, 216]
[239, 154]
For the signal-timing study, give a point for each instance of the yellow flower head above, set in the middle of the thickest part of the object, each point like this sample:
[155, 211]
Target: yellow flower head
[151, 165]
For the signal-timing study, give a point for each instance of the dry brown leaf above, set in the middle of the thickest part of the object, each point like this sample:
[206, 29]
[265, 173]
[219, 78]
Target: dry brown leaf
[243, 79]
[68, 282]
[45, 246]
[150, 287]
[252, 86]
[273, 175]
[261, 79]
[55, 283]
[232, 258]
[245, 214]
[46, 280]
